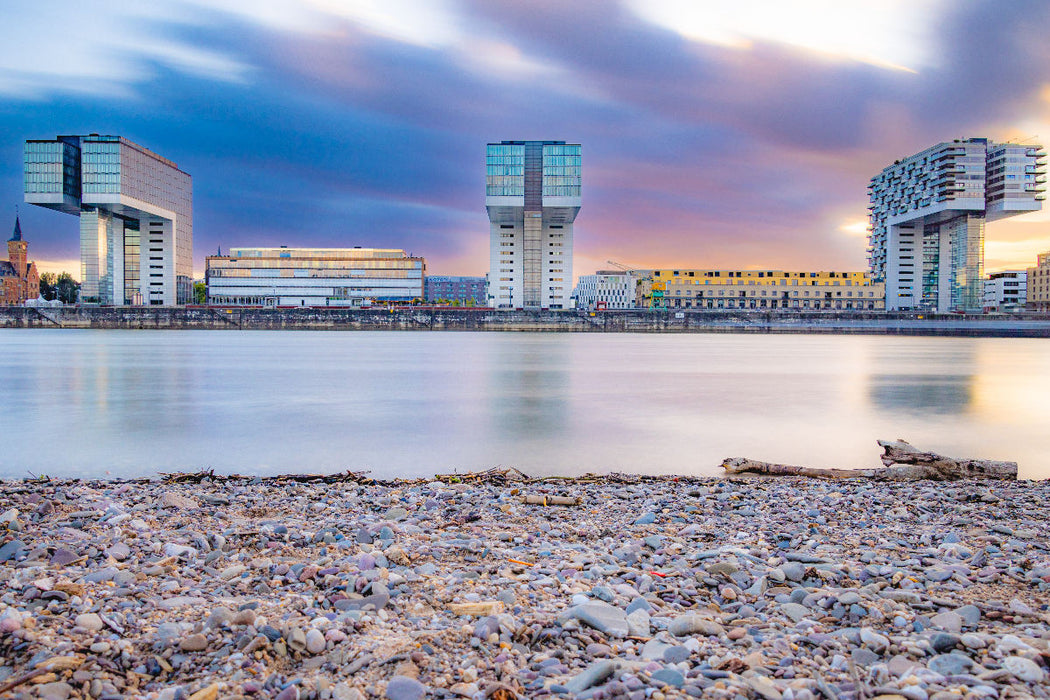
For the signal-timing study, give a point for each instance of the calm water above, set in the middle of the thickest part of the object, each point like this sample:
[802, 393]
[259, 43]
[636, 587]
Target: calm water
[89, 403]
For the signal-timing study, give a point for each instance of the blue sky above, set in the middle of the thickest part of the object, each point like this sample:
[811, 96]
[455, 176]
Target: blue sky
[714, 134]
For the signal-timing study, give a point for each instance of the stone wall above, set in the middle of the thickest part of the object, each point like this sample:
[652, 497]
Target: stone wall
[182, 318]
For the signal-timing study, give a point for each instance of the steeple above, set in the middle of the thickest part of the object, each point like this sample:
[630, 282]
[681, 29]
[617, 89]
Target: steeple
[18, 230]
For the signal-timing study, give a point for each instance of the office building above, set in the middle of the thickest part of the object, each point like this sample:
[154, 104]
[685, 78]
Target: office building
[532, 196]
[757, 290]
[1006, 291]
[136, 216]
[928, 213]
[606, 289]
[1038, 284]
[19, 280]
[313, 276]
[464, 291]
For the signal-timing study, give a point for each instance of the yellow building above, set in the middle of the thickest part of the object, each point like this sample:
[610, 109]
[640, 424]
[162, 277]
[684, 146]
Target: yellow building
[770, 289]
[1039, 284]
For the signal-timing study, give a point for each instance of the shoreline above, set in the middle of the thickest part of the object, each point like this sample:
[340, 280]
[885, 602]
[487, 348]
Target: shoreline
[464, 319]
[647, 586]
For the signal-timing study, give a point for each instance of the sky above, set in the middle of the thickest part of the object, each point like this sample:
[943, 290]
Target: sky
[713, 134]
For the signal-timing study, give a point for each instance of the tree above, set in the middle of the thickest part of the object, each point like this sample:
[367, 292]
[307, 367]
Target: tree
[48, 280]
[67, 289]
[200, 293]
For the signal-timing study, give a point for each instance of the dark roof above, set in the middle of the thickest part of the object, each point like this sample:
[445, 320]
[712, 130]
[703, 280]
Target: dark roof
[18, 231]
[6, 269]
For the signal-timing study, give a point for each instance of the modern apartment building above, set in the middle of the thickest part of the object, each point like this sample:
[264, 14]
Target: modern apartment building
[928, 213]
[532, 195]
[1039, 284]
[1006, 291]
[136, 216]
[606, 289]
[313, 276]
[770, 289]
[451, 289]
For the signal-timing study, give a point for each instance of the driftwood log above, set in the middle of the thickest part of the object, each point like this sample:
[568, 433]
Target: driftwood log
[903, 461]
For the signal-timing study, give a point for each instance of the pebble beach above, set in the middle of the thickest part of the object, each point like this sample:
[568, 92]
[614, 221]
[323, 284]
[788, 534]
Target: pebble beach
[633, 587]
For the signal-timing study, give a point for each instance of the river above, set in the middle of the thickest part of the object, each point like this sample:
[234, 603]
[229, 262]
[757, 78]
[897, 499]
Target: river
[129, 403]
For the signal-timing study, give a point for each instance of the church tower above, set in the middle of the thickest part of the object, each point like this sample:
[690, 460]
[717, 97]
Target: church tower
[17, 251]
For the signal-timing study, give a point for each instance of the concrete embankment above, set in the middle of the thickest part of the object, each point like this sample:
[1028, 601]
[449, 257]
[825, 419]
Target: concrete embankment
[190, 318]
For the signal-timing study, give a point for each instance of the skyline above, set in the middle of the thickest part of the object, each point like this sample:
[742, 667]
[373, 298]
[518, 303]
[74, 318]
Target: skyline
[709, 140]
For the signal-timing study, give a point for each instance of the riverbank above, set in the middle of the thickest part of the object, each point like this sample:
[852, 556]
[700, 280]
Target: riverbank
[451, 319]
[647, 587]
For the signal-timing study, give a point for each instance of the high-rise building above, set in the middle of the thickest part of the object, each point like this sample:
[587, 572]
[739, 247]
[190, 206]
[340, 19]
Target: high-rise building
[532, 195]
[136, 216]
[928, 213]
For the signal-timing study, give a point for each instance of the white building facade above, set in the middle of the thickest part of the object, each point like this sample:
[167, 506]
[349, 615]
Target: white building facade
[1006, 291]
[605, 290]
[136, 216]
[313, 277]
[532, 196]
[928, 213]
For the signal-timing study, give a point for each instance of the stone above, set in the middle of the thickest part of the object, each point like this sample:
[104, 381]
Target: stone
[607, 619]
[54, 691]
[289, 693]
[90, 621]
[119, 551]
[170, 499]
[874, 641]
[396, 513]
[795, 611]
[10, 549]
[942, 642]
[646, 519]
[950, 664]
[794, 571]
[668, 676]
[595, 674]
[232, 572]
[194, 642]
[315, 641]
[63, 557]
[970, 614]
[765, 688]
[692, 623]
[405, 688]
[1024, 669]
[949, 621]
[638, 623]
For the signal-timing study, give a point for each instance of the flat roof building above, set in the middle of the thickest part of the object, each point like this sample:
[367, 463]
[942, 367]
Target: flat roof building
[455, 289]
[927, 217]
[1038, 284]
[136, 216]
[1006, 291]
[532, 196]
[606, 289]
[770, 289]
[313, 276]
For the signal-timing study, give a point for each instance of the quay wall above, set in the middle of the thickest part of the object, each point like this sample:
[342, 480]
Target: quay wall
[429, 319]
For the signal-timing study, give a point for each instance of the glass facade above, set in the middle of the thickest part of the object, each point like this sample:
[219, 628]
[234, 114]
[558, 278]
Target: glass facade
[505, 170]
[312, 276]
[125, 191]
[561, 170]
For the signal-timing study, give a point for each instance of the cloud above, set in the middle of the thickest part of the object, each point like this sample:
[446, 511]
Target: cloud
[707, 139]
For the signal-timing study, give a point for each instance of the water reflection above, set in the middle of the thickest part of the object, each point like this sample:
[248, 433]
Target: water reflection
[917, 393]
[413, 404]
[528, 387]
[923, 377]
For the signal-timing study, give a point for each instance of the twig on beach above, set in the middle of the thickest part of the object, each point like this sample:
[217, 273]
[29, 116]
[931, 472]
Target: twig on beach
[903, 463]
